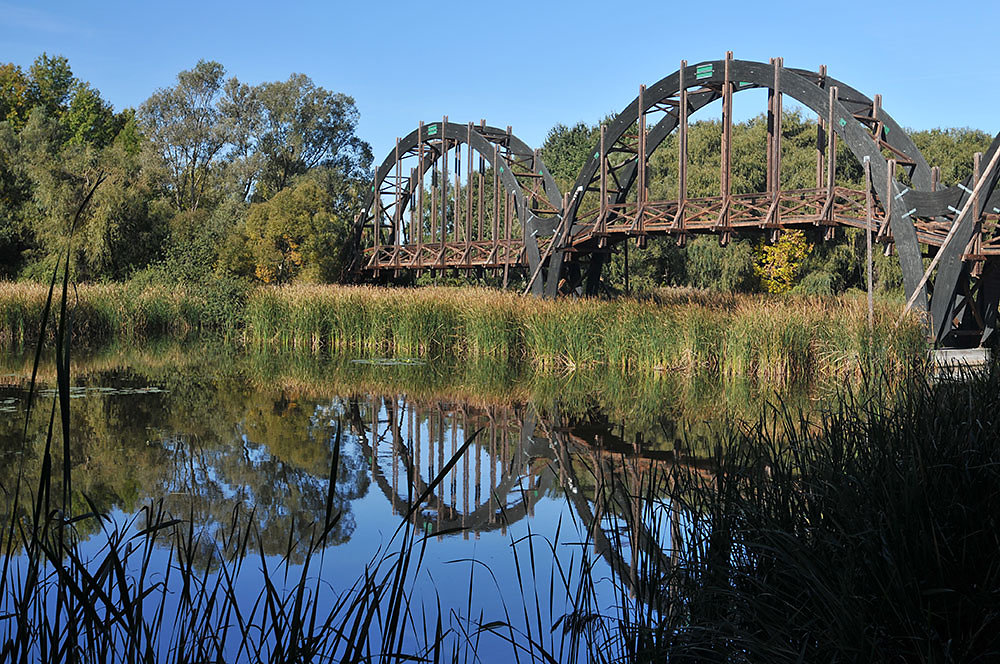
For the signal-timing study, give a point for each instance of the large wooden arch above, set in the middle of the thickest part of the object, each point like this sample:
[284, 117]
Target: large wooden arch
[564, 240]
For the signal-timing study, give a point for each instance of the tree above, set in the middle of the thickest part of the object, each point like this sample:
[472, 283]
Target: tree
[778, 265]
[566, 150]
[296, 235]
[283, 129]
[89, 119]
[14, 95]
[183, 126]
[52, 82]
[952, 150]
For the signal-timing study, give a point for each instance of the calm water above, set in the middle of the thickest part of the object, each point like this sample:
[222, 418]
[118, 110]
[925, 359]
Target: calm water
[224, 438]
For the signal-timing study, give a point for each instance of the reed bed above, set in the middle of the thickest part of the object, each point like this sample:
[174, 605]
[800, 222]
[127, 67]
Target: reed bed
[757, 337]
[867, 535]
[760, 337]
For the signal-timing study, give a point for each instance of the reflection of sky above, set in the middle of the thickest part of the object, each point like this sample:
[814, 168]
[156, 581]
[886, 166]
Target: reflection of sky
[448, 574]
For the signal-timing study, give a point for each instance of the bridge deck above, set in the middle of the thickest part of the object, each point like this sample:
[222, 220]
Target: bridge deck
[738, 213]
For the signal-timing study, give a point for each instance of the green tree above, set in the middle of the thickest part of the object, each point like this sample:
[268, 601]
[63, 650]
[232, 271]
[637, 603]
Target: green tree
[566, 150]
[951, 150]
[297, 235]
[283, 129]
[779, 265]
[15, 101]
[52, 83]
[182, 123]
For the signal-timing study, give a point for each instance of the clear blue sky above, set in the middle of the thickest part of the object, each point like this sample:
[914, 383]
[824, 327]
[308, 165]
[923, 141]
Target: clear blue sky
[527, 64]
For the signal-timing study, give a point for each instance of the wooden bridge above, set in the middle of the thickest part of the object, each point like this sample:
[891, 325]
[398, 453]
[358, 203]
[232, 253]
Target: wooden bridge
[499, 209]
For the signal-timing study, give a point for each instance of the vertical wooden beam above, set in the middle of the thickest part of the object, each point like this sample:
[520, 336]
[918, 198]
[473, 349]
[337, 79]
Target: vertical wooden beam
[831, 145]
[444, 187]
[890, 177]
[869, 222]
[506, 250]
[457, 223]
[779, 63]
[769, 150]
[935, 177]
[435, 176]
[496, 198]
[420, 193]
[641, 156]
[604, 184]
[397, 211]
[480, 200]
[727, 135]
[820, 142]
[468, 196]
[682, 149]
[977, 232]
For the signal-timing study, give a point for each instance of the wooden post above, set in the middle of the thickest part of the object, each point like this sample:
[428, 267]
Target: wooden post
[457, 222]
[397, 212]
[682, 150]
[869, 222]
[831, 145]
[977, 232]
[820, 143]
[641, 156]
[481, 214]
[444, 187]
[420, 193]
[604, 185]
[496, 197]
[468, 196]
[770, 129]
[776, 162]
[884, 229]
[376, 214]
[506, 248]
[727, 136]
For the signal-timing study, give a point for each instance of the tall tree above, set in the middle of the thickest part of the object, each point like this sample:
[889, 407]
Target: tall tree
[182, 123]
[15, 102]
[52, 82]
[285, 128]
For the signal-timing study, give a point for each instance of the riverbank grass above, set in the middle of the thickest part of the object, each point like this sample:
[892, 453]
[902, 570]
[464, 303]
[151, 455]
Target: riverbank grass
[772, 338]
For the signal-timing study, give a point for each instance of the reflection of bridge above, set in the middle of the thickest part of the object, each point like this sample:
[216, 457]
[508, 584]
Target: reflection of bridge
[515, 460]
[502, 210]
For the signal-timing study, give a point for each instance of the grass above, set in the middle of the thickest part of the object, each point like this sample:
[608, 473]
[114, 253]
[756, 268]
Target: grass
[770, 338]
[767, 338]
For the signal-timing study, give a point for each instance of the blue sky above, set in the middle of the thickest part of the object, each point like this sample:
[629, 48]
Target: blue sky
[526, 64]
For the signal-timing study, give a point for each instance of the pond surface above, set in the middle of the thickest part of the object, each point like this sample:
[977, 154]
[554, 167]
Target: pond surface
[511, 466]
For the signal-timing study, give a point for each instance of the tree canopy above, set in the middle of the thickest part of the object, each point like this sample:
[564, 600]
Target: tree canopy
[213, 178]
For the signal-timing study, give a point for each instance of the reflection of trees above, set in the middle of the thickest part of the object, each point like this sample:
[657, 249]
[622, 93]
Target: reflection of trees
[215, 439]
[201, 444]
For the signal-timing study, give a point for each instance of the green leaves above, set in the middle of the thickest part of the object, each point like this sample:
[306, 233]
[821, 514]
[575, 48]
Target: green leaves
[295, 236]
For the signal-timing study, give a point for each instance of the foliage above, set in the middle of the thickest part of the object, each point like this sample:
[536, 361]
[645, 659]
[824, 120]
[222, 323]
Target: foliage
[182, 124]
[183, 171]
[727, 269]
[283, 129]
[951, 150]
[778, 265]
[566, 150]
[295, 236]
